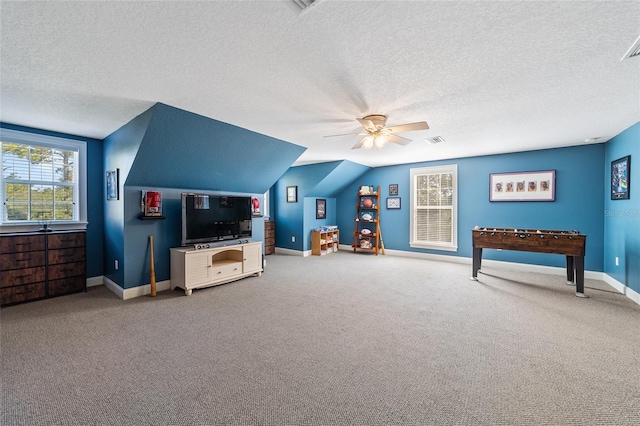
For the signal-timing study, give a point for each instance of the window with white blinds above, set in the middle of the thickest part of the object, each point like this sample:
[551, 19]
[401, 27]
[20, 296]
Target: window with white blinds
[42, 179]
[434, 207]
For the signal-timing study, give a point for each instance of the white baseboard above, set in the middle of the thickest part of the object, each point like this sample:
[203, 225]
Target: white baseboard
[630, 293]
[524, 267]
[290, 252]
[115, 288]
[130, 293]
[94, 281]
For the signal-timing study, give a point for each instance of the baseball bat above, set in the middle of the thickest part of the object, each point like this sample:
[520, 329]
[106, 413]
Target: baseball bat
[153, 268]
[381, 240]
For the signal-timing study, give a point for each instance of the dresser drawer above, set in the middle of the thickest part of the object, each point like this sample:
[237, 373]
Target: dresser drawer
[21, 243]
[15, 277]
[65, 270]
[22, 293]
[66, 240]
[66, 285]
[22, 260]
[68, 255]
[269, 225]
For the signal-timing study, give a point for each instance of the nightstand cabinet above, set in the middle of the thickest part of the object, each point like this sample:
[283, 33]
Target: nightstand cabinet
[40, 265]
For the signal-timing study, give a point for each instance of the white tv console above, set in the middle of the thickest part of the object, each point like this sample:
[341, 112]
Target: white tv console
[191, 268]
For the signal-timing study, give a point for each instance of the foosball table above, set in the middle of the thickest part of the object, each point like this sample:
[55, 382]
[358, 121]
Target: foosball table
[568, 243]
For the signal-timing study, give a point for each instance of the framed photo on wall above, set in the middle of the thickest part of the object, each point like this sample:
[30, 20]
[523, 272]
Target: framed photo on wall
[393, 202]
[292, 194]
[621, 178]
[393, 189]
[523, 186]
[321, 209]
[113, 184]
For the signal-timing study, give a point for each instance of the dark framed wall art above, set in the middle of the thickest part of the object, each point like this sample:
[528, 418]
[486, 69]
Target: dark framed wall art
[292, 194]
[321, 209]
[621, 178]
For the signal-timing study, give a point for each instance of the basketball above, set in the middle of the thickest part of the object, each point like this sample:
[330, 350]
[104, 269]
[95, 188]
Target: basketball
[367, 203]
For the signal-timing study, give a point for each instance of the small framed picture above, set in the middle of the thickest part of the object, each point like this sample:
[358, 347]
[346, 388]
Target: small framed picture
[292, 194]
[621, 178]
[393, 202]
[321, 209]
[113, 184]
[152, 201]
[393, 189]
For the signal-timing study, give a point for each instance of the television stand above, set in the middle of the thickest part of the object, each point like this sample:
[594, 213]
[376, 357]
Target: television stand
[192, 269]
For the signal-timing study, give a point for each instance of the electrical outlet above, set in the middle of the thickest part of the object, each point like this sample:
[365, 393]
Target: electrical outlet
[617, 261]
[293, 239]
[116, 264]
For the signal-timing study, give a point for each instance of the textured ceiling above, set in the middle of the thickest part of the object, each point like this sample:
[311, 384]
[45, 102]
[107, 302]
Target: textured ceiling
[489, 77]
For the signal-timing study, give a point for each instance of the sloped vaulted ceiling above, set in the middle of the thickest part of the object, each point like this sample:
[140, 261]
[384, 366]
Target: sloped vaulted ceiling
[184, 150]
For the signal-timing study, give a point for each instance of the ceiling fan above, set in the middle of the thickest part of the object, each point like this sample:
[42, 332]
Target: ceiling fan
[377, 135]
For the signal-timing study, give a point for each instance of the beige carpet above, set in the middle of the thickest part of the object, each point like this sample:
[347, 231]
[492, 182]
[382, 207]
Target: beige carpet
[343, 339]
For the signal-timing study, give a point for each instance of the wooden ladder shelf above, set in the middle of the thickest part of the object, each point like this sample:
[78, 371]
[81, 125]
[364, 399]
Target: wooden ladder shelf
[367, 235]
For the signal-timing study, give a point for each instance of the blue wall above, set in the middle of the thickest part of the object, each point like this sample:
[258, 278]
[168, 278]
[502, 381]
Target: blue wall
[582, 201]
[120, 150]
[578, 205]
[172, 151]
[96, 194]
[622, 217]
[321, 180]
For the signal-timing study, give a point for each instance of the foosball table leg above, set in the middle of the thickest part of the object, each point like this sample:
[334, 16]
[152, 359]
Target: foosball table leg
[578, 262]
[477, 260]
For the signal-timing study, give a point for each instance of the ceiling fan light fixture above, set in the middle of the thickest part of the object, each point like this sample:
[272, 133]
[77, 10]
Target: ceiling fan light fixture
[368, 142]
[380, 141]
[377, 135]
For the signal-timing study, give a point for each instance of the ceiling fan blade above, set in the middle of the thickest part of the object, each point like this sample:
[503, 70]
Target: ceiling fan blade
[346, 134]
[359, 144]
[421, 125]
[398, 139]
[366, 124]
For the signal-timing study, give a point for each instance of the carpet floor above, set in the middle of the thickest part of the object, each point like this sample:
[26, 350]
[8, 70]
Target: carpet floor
[342, 339]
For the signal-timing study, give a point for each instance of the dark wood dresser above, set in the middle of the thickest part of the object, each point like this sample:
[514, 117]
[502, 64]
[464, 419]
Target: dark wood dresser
[40, 265]
[269, 237]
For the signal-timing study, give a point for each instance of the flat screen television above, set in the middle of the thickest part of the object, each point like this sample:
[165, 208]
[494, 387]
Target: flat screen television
[210, 218]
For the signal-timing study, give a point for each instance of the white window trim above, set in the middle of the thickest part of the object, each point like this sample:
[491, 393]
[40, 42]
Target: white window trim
[450, 168]
[265, 207]
[17, 136]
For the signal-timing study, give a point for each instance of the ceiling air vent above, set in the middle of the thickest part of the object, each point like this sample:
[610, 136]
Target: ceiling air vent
[634, 50]
[300, 6]
[435, 140]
